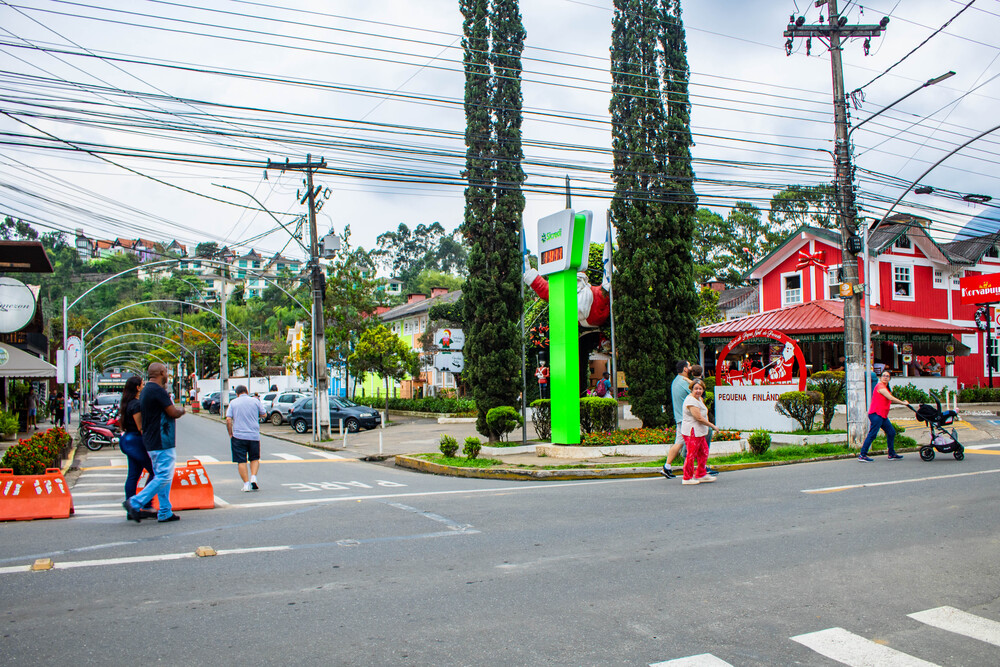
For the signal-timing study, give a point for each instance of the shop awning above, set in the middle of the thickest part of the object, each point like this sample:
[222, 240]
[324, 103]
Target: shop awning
[822, 321]
[15, 363]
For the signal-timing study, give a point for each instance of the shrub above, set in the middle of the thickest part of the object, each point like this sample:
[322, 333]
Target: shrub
[473, 446]
[9, 423]
[908, 392]
[629, 436]
[434, 404]
[597, 414]
[33, 455]
[979, 395]
[831, 385]
[502, 420]
[760, 440]
[801, 406]
[725, 436]
[542, 418]
[448, 446]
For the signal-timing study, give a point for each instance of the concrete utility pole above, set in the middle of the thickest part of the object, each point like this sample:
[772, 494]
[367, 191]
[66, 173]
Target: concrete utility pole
[851, 244]
[321, 399]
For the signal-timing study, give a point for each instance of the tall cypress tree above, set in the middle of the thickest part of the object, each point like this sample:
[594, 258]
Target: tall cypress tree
[655, 301]
[494, 202]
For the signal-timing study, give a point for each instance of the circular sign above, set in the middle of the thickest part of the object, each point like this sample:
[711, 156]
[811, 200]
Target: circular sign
[777, 372]
[17, 305]
[4, 357]
[74, 350]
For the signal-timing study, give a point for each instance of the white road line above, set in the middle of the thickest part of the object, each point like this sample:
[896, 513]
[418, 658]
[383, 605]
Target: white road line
[79, 484]
[982, 446]
[206, 459]
[962, 623]
[287, 457]
[98, 505]
[850, 649]
[703, 660]
[219, 501]
[847, 487]
[418, 494]
[140, 559]
[88, 475]
[118, 461]
[327, 455]
[94, 494]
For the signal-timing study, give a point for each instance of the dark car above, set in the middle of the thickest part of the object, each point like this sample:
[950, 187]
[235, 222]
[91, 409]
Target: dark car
[356, 417]
[211, 402]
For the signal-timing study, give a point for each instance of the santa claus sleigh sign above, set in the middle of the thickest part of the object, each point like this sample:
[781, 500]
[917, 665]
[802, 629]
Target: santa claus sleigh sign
[745, 395]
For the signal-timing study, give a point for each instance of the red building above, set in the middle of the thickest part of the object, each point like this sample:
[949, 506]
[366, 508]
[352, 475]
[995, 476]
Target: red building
[909, 274]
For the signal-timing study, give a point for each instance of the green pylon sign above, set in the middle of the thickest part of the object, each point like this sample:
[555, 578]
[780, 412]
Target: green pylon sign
[563, 249]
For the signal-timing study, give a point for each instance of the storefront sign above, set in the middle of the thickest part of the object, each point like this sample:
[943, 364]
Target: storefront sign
[980, 289]
[449, 339]
[17, 305]
[747, 408]
[778, 371]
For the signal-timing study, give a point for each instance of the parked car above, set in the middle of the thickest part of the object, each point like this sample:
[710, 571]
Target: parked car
[207, 398]
[281, 404]
[104, 400]
[265, 402]
[355, 416]
[212, 404]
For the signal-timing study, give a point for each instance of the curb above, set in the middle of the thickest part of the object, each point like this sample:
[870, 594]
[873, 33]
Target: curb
[411, 462]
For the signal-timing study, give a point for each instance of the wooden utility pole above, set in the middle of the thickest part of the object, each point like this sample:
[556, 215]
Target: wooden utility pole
[851, 244]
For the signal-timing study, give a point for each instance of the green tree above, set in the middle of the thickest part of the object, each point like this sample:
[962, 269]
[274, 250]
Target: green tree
[406, 254]
[428, 279]
[653, 206]
[708, 310]
[382, 352]
[706, 245]
[12, 228]
[748, 237]
[494, 203]
[804, 204]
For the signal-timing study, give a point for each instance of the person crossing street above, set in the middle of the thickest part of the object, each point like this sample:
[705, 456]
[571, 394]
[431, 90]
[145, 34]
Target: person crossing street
[243, 423]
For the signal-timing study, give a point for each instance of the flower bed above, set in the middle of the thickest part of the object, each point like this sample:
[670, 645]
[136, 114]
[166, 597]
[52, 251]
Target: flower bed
[33, 455]
[645, 436]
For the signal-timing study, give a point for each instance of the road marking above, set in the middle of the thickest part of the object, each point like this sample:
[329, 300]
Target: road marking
[220, 501]
[207, 459]
[118, 461]
[94, 494]
[703, 660]
[339, 459]
[968, 447]
[962, 623]
[141, 559]
[981, 451]
[850, 649]
[452, 525]
[100, 474]
[329, 455]
[287, 457]
[835, 489]
[97, 483]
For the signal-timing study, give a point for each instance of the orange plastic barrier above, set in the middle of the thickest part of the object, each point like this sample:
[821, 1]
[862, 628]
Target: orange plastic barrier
[191, 488]
[25, 497]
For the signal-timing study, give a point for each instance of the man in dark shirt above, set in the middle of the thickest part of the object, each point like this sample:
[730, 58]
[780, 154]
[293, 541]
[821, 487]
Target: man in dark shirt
[158, 415]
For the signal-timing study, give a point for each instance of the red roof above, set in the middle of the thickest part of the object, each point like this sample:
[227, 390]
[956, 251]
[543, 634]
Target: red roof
[826, 317]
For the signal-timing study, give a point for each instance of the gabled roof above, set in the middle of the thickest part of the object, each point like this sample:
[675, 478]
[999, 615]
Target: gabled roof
[409, 309]
[250, 255]
[886, 234]
[730, 298]
[971, 250]
[828, 235]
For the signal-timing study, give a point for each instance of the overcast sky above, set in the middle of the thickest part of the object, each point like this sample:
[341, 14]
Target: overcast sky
[94, 94]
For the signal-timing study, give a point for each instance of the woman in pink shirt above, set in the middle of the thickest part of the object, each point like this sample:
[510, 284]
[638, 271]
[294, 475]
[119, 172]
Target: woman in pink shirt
[878, 415]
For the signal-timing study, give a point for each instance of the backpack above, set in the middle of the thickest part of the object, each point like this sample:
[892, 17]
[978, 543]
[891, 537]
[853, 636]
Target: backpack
[602, 388]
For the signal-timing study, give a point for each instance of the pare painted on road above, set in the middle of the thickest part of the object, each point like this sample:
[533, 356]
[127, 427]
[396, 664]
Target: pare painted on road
[308, 487]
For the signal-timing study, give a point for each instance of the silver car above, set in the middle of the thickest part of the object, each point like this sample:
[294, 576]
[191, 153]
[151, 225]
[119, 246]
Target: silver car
[277, 413]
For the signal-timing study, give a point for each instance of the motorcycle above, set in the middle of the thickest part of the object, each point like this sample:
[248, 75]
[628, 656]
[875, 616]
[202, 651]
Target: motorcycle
[95, 435]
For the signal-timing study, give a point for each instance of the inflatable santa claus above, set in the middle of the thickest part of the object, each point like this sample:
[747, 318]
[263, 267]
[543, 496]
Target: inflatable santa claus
[593, 302]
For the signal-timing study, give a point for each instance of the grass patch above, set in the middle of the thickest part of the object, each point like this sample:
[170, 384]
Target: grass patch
[459, 461]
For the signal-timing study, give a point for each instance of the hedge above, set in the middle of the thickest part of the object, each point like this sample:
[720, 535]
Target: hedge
[429, 404]
[33, 455]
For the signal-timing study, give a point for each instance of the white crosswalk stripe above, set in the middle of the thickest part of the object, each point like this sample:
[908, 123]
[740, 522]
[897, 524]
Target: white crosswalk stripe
[328, 455]
[287, 457]
[851, 649]
[206, 459]
[117, 461]
[962, 623]
[703, 660]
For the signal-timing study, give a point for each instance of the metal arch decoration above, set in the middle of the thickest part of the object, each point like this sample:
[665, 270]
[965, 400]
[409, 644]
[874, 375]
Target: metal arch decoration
[141, 303]
[139, 333]
[157, 319]
[136, 343]
[777, 372]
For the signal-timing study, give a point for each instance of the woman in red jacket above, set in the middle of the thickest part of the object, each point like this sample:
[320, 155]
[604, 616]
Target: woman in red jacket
[878, 415]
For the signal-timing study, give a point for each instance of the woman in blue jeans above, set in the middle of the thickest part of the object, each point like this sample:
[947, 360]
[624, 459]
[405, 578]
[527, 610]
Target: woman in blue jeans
[130, 419]
[878, 417]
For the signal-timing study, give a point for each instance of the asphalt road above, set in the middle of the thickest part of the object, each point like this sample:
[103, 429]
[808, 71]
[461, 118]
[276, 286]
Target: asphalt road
[342, 562]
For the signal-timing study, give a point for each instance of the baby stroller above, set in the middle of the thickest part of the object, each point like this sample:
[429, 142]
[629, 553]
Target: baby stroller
[941, 440]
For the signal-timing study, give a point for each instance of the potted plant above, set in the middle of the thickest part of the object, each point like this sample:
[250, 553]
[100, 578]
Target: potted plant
[8, 425]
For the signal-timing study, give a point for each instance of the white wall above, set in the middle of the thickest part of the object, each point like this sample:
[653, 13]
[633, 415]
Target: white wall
[747, 408]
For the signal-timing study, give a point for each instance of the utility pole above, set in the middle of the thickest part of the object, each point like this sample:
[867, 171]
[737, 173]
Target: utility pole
[857, 366]
[321, 404]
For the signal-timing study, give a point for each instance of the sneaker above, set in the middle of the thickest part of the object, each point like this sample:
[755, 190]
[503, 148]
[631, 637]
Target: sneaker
[253, 483]
[705, 479]
[246, 486]
[172, 517]
[131, 512]
[666, 472]
[895, 457]
[866, 459]
[713, 472]
[691, 481]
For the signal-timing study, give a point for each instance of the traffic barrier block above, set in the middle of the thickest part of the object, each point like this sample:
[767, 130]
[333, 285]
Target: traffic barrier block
[191, 489]
[24, 497]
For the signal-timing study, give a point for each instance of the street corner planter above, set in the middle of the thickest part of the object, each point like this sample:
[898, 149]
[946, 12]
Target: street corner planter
[793, 439]
[580, 452]
[501, 451]
[8, 437]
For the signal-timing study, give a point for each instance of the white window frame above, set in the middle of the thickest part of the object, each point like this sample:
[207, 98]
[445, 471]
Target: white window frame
[995, 257]
[407, 327]
[909, 269]
[785, 301]
[832, 285]
[939, 278]
[907, 251]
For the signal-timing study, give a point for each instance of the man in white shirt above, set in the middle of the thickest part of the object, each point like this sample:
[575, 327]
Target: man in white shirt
[243, 423]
